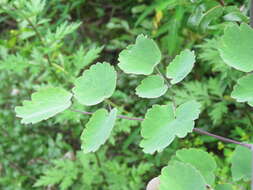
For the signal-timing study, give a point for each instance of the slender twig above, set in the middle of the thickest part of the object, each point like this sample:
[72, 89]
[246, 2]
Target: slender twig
[197, 130]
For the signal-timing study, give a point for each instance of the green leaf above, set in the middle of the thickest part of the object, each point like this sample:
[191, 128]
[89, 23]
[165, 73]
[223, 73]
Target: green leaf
[241, 164]
[181, 176]
[45, 103]
[64, 173]
[243, 90]
[211, 15]
[92, 55]
[98, 130]
[224, 187]
[96, 84]
[162, 124]
[236, 47]
[193, 156]
[181, 66]
[140, 58]
[151, 87]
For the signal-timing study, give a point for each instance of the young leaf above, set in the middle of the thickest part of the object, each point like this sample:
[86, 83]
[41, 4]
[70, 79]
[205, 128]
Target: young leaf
[45, 103]
[193, 156]
[236, 47]
[96, 84]
[181, 176]
[243, 90]
[140, 58]
[151, 87]
[241, 164]
[98, 130]
[161, 125]
[181, 66]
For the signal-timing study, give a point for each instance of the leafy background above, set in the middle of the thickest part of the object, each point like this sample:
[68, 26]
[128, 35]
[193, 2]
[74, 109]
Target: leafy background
[34, 156]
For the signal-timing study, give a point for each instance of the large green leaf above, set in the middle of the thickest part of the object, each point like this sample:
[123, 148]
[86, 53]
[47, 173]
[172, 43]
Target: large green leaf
[140, 58]
[151, 87]
[243, 90]
[98, 129]
[44, 104]
[193, 156]
[162, 124]
[96, 84]
[181, 66]
[241, 163]
[236, 47]
[181, 176]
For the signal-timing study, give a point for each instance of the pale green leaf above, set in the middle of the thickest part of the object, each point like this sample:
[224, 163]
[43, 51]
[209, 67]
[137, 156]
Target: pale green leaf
[140, 58]
[91, 55]
[207, 165]
[241, 164]
[151, 87]
[98, 130]
[45, 103]
[181, 66]
[162, 124]
[236, 47]
[243, 90]
[96, 84]
[181, 176]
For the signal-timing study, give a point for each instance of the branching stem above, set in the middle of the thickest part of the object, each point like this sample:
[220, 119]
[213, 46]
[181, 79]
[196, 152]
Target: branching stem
[197, 130]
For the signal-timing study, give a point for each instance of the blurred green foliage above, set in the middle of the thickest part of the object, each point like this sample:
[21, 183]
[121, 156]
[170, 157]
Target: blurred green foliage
[53, 41]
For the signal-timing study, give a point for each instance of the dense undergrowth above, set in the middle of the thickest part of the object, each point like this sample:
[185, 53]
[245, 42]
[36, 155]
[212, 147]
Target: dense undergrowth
[39, 46]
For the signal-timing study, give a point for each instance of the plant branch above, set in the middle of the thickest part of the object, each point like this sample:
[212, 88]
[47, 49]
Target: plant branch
[197, 130]
[41, 40]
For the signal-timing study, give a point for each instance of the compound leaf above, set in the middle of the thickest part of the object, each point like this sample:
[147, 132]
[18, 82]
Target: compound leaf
[181, 66]
[193, 156]
[162, 124]
[243, 90]
[98, 129]
[140, 58]
[151, 87]
[236, 47]
[44, 104]
[96, 84]
[181, 176]
[241, 163]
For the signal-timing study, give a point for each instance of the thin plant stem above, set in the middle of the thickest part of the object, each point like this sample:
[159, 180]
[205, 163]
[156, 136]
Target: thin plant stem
[197, 130]
[100, 167]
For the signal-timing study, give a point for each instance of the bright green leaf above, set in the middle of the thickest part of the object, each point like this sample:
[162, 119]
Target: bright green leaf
[241, 164]
[96, 84]
[140, 58]
[193, 156]
[45, 103]
[236, 47]
[243, 90]
[181, 176]
[162, 124]
[181, 66]
[98, 130]
[151, 87]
